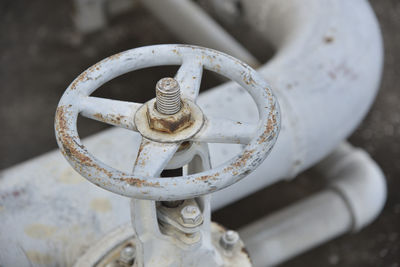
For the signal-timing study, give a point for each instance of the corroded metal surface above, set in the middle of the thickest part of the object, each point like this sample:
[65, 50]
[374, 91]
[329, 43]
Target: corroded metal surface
[169, 123]
[172, 188]
[169, 128]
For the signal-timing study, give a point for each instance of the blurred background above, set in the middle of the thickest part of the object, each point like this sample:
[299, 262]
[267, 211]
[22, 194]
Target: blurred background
[41, 52]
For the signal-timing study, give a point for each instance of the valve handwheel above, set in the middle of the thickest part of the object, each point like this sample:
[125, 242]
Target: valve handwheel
[167, 121]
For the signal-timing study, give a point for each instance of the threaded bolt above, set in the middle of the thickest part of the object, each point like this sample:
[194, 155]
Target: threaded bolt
[168, 96]
[229, 239]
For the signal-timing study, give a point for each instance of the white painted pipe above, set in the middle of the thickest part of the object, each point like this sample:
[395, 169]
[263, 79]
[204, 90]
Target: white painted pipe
[326, 73]
[192, 25]
[354, 199]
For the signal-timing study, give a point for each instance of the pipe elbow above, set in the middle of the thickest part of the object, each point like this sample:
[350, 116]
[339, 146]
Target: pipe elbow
[360, 181]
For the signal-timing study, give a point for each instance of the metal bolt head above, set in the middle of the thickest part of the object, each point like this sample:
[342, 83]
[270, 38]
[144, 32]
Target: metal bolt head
[191, 215]
[127, 255]
[229, 239]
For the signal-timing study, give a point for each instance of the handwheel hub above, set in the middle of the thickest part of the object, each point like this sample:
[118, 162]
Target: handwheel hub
[164, 128]
[169, 123]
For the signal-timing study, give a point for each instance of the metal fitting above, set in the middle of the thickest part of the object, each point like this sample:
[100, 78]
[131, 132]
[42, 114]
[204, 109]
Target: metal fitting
[127, 255]
[168, 96]
[229, 239]
[168, 123]
[191, 215]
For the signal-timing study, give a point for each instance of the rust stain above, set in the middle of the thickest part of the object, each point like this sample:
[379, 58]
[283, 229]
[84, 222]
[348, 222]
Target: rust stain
[176, 51]
[329, 39]
[81, 78]
[85, 75]
[208, 177]
[139, 182]
[247, 78]
[40, 231]
[70, 146]
[238, 164]
[110, 118]
[171, 126]
[228, 169]
[243, 159]
[217, 68]
[98, 116]
[142, 145]
[184, 146]
[270, 125]
[116, 56]
[102, 205]
[244, 250]
[171, 123]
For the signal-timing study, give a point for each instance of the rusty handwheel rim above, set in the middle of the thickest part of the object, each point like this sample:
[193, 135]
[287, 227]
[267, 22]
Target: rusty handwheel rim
[171, 188]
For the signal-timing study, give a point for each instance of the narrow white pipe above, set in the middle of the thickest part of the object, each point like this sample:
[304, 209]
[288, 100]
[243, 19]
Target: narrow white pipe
[296, 229]
[194, 26]
[356, 196]
[360, 181]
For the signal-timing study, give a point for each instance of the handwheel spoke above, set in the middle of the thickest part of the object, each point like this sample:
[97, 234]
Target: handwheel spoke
[153, 157]
[189, 78]
[114, 112]
[218, 130]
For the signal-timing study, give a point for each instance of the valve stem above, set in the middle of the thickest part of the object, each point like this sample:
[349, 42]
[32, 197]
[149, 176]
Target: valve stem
[168, 96]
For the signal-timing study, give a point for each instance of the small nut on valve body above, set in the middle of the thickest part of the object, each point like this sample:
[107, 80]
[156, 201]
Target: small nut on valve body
[168, 123]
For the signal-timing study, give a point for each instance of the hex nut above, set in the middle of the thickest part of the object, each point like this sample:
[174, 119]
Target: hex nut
[191, 215]
[168, 123]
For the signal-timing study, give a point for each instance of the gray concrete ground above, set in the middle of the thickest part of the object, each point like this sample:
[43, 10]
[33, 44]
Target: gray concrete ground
[41, 53]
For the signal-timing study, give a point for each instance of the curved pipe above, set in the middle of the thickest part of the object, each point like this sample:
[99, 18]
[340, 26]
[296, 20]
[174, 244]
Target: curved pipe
[354, 199]
[326, 73]
[359, 180]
